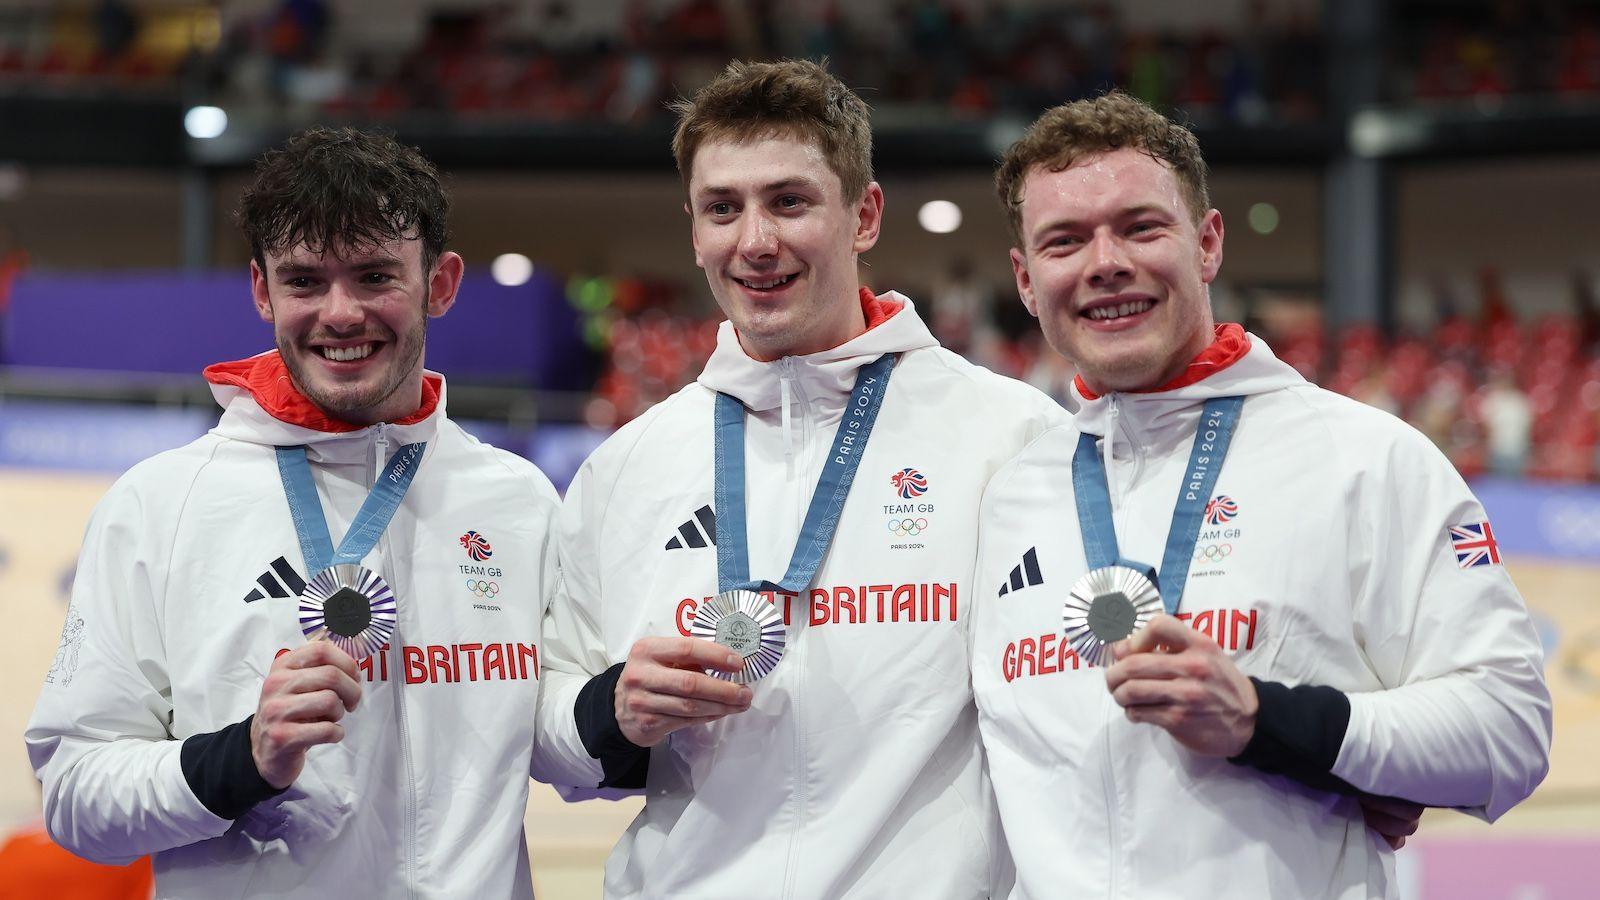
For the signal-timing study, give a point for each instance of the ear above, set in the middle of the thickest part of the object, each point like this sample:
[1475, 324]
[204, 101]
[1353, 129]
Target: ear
[694, 236]
[1019, 269]
[1210, 246]
[258, 292]
[444, 282]
[869, 218]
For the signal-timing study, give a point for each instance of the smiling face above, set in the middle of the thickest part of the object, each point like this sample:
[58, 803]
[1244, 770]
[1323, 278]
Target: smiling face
[1116, 268]
[350, 324]
[778, 242]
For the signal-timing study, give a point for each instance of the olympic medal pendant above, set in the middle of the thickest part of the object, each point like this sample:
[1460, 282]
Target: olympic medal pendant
[748, 625]
[350, 605]
[1106, 606]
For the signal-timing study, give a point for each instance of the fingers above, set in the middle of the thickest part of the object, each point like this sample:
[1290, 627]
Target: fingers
[690, 684]
[317, 666]
[1153, 665]
[318, 653]
[1391, 806]
[1391, 817]
[689, 653]
[646, 703]
[1163, 632]
[1149, 692]
[664, 688]
[298, 737]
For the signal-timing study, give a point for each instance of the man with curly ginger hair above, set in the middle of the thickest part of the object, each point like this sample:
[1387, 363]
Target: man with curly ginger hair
[264, 713]
[1329, 642]
[814, 491]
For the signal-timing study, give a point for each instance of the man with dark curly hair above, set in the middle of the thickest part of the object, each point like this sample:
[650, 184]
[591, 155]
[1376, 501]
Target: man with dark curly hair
[272, 672]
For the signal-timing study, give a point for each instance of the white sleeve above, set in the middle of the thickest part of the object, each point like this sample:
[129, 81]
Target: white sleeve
[574, 650]
[1465, 719]
[98, 740]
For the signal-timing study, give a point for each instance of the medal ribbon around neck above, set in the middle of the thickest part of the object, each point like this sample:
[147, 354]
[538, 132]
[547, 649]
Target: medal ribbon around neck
[1212, 435]
[338, 574]
[734, 585]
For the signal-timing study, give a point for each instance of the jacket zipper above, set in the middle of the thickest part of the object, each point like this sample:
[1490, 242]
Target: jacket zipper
[800, 795]
[380, 450]
[1109, 781]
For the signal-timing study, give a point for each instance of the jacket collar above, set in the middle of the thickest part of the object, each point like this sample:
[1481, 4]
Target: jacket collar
[1236, 364]
[261, 405]
[893, 326]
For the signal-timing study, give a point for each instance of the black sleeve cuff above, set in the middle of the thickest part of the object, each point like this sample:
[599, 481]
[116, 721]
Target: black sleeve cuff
[221, 770]
[624, 763]
[1299, 731]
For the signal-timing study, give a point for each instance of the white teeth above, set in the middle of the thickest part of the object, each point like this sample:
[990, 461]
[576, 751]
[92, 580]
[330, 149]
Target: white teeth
[1131, 308]
[346, 354]
[766, 285]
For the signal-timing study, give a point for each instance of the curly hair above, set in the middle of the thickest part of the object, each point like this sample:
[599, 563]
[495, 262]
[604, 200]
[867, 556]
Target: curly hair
[1068, 133]
[795, 97]
[332, 188]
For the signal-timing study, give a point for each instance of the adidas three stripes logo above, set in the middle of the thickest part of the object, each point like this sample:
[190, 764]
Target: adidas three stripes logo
[697, 532]
[1024, 574]
[281, 580]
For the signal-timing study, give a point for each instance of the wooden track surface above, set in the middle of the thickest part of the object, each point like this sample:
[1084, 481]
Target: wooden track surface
[42, 516]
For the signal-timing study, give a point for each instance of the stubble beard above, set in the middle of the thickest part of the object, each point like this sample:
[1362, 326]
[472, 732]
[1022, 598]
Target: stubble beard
[348, 404]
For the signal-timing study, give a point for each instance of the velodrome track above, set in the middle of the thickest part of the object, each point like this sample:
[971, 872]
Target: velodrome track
[42, 516]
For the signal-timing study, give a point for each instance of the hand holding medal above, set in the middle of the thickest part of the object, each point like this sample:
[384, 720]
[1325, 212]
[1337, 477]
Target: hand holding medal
[1174, 677]
[670, 683]
[306, 692]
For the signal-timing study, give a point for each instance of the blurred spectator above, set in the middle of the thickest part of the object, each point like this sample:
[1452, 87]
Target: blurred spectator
[116, 25]
[964, 60]
[1587, 310]
[963, 308]
[1508, 419]
[13, 261]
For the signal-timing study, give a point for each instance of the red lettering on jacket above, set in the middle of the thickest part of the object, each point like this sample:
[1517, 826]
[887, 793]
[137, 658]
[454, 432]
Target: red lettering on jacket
[851, 605]
[1049, 654]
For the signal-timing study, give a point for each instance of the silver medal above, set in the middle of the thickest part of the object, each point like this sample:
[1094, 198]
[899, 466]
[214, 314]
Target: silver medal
[1107, 605]
[746, 623]
[350, 605]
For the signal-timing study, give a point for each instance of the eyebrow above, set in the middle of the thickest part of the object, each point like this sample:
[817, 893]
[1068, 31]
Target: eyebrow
[367, 263]
[1132, 212]
[780, 185]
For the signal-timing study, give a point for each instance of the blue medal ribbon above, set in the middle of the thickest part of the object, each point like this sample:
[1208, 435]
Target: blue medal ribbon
[1212, 435]
[370, 521]
[827, 501]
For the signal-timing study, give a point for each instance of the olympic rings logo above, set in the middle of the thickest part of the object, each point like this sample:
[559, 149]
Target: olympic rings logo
[1212, 552]
[908, 527]
[483, 590]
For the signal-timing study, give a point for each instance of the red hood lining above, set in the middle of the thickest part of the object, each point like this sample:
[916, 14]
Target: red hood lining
[266, 378]
[1230, 346]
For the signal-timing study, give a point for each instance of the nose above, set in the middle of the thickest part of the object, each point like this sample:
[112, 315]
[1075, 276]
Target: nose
[758, 236]
[343, 310]
[1108, 260]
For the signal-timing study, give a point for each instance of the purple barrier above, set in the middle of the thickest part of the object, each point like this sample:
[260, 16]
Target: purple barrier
[525, 336]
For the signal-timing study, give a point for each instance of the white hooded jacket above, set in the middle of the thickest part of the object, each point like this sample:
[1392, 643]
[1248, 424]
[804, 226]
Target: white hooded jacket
[186, 590]
[856, 772]
[1325, 558]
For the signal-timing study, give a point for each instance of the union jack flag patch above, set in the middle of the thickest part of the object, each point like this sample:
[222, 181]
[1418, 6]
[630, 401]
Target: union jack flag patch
[1475, 545]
